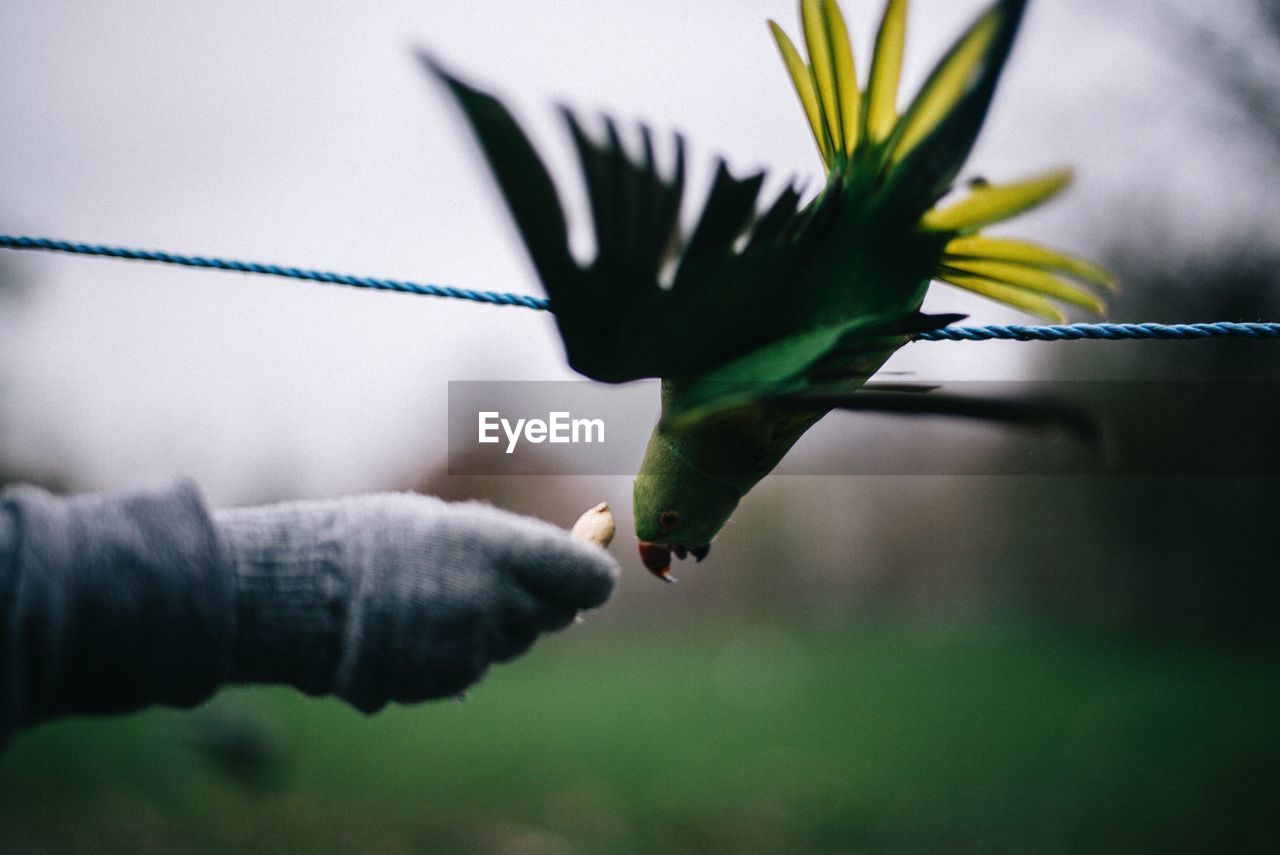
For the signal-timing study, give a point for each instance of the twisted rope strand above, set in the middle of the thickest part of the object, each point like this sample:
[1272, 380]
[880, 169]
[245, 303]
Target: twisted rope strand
[1059, 332]
[1105, 332]
[490, 297]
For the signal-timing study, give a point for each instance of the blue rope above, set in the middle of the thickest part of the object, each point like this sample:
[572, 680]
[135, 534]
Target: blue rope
[1104, 332]
[1071, 332]
[490, 297]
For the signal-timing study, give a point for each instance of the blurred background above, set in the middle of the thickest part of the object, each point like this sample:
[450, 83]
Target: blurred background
[916, 663]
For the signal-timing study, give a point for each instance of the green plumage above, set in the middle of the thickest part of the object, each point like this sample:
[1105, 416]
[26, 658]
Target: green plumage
[777, 312]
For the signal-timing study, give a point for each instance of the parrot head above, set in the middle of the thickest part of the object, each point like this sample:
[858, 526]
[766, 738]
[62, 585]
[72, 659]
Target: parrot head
[679, 508]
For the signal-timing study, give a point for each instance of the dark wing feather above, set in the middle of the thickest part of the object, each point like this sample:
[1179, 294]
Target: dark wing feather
[524, 181]
[730, 208]
[617, 321]
[775, 224]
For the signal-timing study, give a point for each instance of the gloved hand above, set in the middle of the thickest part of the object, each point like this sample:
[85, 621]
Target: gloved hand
[397, 597]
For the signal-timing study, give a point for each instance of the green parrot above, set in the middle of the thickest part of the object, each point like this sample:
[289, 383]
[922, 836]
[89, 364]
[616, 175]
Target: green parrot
[759, 322]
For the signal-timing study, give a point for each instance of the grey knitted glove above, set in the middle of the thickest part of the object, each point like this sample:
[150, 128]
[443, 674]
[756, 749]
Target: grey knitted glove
[397, 597]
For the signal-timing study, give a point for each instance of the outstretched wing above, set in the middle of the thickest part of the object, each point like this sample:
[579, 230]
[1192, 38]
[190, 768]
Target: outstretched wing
[617, 320]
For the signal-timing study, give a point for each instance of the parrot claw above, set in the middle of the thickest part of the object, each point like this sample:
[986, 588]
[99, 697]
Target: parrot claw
[657, 557]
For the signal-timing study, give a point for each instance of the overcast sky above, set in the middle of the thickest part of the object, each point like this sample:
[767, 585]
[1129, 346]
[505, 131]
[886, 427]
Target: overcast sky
[303, 133]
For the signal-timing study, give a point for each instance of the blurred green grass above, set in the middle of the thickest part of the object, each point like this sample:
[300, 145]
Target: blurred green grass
[724, 738]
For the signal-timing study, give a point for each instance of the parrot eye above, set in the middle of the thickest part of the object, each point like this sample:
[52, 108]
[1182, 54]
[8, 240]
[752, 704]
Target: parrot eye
[669, 520]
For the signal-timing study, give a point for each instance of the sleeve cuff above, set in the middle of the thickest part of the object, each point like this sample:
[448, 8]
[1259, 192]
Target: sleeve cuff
[117, 601]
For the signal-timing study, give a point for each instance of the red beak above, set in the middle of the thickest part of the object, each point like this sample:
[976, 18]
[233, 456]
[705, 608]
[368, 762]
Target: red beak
[657, 557]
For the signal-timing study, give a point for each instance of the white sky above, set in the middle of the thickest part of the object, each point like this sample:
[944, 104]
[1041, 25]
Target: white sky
[302, 132]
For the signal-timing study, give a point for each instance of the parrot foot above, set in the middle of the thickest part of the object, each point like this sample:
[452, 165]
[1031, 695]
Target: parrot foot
[656, 557]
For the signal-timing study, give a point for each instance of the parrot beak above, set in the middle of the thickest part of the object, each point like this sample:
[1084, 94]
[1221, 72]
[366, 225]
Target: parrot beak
[657, 557]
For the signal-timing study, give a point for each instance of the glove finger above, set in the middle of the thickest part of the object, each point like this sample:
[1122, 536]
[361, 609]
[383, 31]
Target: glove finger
[564, 572]
[543, 558]
[524, 609]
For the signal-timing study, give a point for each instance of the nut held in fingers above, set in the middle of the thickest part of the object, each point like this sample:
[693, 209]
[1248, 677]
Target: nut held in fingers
[595, 526]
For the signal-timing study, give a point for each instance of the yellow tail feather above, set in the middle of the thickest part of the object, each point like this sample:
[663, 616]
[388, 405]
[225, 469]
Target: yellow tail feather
[946, 85]
[802, 79]
[844, 118]
[822, 66]
[886, 72]
[1030, 255]
[991, 203]
[847, 93]
[1030, 279]
[1018, 298]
